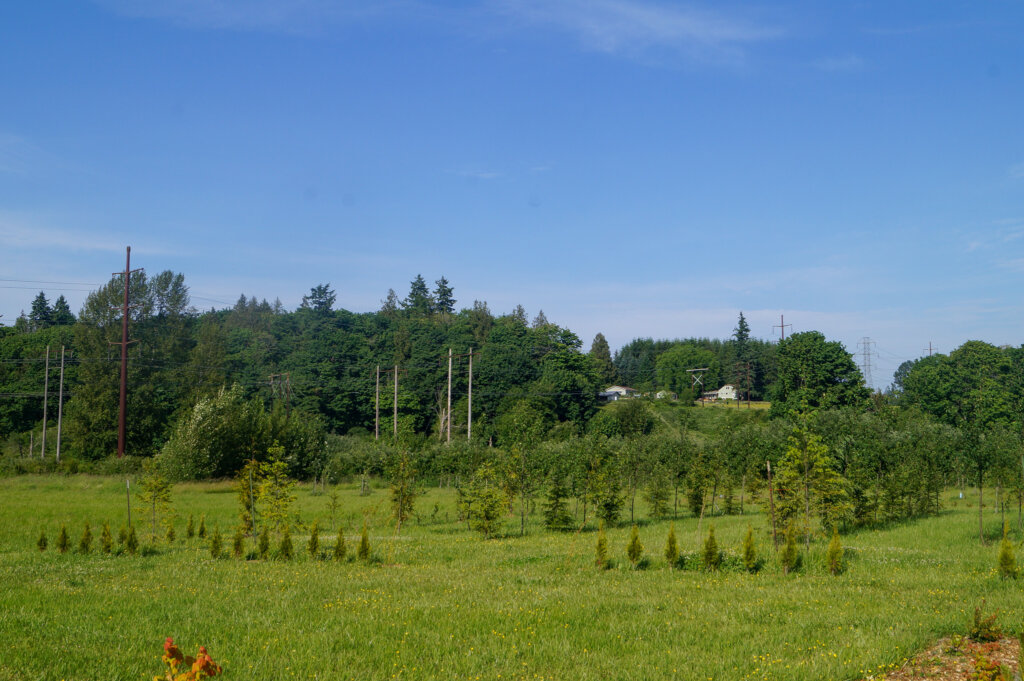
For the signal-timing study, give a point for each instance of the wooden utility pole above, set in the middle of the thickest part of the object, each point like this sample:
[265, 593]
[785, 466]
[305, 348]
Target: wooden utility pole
[46, 394]
[60, 401]
[122, 416]
[469, 408]
[782, 326]
[376, 407]
[395, 406]
[449, 412]
[771, 505]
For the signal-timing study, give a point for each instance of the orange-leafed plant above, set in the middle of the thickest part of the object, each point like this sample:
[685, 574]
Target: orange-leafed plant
[186, 668]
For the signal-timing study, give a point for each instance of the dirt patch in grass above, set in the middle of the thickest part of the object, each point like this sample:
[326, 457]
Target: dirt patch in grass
[959, 658]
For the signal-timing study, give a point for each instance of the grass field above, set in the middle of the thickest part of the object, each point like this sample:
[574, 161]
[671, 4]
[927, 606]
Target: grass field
[440, 602]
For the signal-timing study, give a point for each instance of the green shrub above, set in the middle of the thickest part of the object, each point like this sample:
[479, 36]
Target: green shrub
[238, 543]
[314, 541]
[790, 556]
[106, 539]
[85, 543]
[671, 547]
[711, 556]
[749, 551]
[339, 547]
[263, 544]
[215, 543]
[122, 535]
[63, 543]
[132, 542]
[42, 542]
[284, 549]
[635, 550]
[363, 552]
[170, 533]
[190, 529]
[1007, 558]
[984, 629]
[202, 527]
[834, 554]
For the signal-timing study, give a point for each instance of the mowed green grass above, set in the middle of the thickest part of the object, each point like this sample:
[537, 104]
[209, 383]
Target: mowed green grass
[440, 602]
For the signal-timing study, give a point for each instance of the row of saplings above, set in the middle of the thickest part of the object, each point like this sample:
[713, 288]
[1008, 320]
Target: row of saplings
[128, 542]
[712, 558]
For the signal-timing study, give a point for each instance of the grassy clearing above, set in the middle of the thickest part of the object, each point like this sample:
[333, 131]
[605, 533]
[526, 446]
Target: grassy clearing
[440, 602]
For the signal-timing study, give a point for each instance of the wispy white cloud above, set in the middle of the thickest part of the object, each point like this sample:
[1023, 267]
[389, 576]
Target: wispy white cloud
[477, 174]
[29, 233]
[631, 26]
[848, 63]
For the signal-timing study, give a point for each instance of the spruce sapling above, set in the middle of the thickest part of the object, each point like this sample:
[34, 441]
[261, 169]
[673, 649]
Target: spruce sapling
[263, 545]
[601, 554]
[364, 544]
[284, 549]
[711, 557]
[671, 547]
[42, 542]
[790, 557]
[749, 551]
[635, 550]
[190, 529]
[238, 543]
[132, 542]
[202, 527]
[85, 543]
[314, 541]
[63, 543]
[339, 547]
[215, 543]
[1007, 558]
[106, 539]
[834, 554]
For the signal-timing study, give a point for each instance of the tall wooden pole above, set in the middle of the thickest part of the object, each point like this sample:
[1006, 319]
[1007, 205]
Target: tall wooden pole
[771, 506]
[46, 394]
[395, 426]
[469, 408]
[60, 401]
[449, 395]
[376, 407]
[123, 405]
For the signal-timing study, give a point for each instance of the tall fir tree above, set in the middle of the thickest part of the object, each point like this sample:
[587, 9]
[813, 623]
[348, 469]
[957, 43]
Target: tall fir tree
[61, 314]
[601, 353]
[41, 315]
[419, 300]
[444, 301]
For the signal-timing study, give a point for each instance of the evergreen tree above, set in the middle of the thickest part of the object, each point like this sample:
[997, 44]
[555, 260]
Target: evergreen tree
[313, 547]
[671, 547]
[339, 546]
[443, 300]
[1007, 557]
[132, 542]
[122, 535]
[484, 500]
[519, 315]
[834, 554]
[85, 543]
[202, 526]
[790, 556]
[238, 543]
[61, 314]
[363, 552]
[556, 506]
[601, 353]
[741, 336]
[263, 543]
[403, 488]
[171, 535]
[389, 306]
[190, 529]
[41, 315]
[106, 539]
[749, 551]
[540, 321]
[419, 301]
[42, 542]
[634, 550]
[63, 543]
[601, 551]
[285, 549]
[215, 543]
[711, 556]
[320, 299]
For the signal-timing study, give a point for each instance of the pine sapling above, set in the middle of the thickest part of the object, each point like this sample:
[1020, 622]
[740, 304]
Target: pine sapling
[263, 544]
[202, 527]
[63, 543]
[671, 547]
[190, 529]
[1007, 558]
[834, 554]
[749, 551]
[132, 542]
[601, 553]
[635, 550]
[711, 556]
[215, 543]
[106, 539]
[314, 541]
[284, 549]
[238, 543]
[790, 557]
[42, 542]
[364, 544]
[339, 547]
[85, 543]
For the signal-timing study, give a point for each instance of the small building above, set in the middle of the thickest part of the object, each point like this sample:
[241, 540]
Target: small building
[615, 393]
[727, 392]
[666, 395]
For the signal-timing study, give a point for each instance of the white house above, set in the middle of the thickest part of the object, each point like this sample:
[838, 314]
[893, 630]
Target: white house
[616, 392]
[727, 392]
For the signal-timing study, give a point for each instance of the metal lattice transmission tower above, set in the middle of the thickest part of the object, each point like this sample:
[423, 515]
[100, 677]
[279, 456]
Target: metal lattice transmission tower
[865, 344]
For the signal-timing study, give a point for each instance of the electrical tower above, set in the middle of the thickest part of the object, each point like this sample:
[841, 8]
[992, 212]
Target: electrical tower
[865, 344]
[782, 326]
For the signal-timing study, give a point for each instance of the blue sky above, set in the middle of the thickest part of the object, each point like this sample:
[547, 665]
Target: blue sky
[632, 167]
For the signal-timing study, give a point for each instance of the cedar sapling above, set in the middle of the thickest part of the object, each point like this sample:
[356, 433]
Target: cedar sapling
[170, 533]
[671, 547]
[63, 543]
[339, 547]
[711, 556]
[202, 527]
[190, 529]
[122, 535]
[635, 550]
[263, 544]
[601, 553]
[284, 549]
[85, 543]
[238, 543]
[1007, 557]
[749, 551]
[364, 544]
[314, 541]
[132, 542]
[834, 554]
[215, 543]
[106, 539]
[790, 556]
[42, 542]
